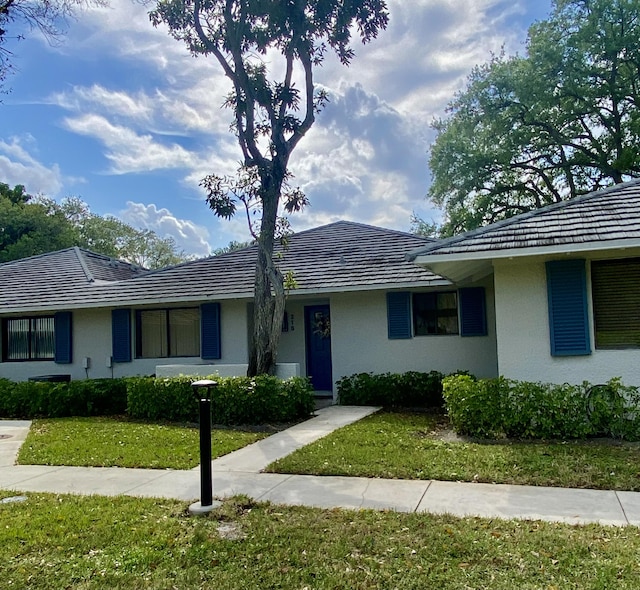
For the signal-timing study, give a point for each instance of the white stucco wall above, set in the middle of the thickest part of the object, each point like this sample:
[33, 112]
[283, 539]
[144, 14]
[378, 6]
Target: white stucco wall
[360, 344]
[92, 339]
[523, 339]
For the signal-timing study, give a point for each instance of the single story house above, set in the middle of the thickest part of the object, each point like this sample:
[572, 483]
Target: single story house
[359, 306]
[566, 284]
[551, 295]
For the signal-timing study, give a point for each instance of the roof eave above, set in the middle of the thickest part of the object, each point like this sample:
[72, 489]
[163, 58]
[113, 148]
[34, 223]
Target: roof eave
[436, 281]
[464, 265]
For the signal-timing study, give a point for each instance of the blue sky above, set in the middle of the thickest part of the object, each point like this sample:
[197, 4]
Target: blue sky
[120, 115]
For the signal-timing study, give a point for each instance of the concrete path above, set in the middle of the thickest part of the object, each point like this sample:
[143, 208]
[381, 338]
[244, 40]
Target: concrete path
[12, 435]
[239, 473]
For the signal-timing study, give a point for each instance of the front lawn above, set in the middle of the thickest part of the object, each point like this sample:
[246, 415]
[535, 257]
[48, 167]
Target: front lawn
[50, 542]
[117, 442]
[412, 446]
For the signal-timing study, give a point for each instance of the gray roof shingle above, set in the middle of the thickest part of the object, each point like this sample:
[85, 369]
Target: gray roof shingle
[342, 256]
[605, 215]
[41, 280]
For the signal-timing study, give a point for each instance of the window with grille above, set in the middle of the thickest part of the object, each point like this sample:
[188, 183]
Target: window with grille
[462, 312]
[435, 313]
[29, 339]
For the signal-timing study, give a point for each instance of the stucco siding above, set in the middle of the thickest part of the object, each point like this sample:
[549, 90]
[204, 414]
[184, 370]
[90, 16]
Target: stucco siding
[360, 342]
[523, 339]
[92, 339]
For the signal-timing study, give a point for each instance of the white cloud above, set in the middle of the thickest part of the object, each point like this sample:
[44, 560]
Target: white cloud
[133, 106]
[366, 157]
[428, 50]
[127, 150]
[18, 166]
[365, 161]
[190, 237]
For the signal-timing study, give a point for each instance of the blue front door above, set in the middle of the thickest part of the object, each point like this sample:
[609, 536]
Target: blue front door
[317, 323]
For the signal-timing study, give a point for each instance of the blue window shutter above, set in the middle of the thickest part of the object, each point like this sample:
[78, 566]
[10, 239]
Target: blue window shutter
[121, 335]
[568, 313]
[399, 315]
[62, 330]
[210, 346]
[473, 312]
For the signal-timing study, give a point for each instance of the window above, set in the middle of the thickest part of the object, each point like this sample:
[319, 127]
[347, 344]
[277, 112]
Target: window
[29, 339]
[615, 288]
[435, 313]
[164, 333]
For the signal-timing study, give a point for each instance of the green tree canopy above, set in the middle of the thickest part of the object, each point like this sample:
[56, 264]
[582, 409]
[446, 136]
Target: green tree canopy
[253, 41]
[35, 225]
[28, 228]
[113, 237]
[558, 122]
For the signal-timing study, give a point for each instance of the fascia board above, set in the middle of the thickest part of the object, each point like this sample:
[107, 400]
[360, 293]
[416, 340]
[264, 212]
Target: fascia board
[486, 255]
[137, 302]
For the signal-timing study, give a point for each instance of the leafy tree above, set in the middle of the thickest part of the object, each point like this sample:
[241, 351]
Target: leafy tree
[113, 237]
[420, 227]
[270, 116]
[50, 17]
[559, 122]
[232, 246]
[28, 228]
[35, 225]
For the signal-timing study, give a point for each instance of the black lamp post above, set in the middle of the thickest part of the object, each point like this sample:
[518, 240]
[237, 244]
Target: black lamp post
[202, 391]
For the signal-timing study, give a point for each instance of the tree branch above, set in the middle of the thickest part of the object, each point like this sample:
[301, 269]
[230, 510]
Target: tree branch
[309, 118]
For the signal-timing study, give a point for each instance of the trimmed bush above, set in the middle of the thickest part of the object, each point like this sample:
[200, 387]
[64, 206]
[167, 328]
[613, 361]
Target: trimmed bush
[151, 398]
[236, 400]
[539, 410]
[411, 389]
[495, 408]
[475, 407]
[33, 399]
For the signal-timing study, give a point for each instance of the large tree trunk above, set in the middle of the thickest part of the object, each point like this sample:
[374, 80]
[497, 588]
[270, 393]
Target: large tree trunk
[269, 293]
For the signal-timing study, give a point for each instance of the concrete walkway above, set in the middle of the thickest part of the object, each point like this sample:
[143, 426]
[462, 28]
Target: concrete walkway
[239, 473]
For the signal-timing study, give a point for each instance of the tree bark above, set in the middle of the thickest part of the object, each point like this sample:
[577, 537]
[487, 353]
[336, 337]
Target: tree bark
[269, 293]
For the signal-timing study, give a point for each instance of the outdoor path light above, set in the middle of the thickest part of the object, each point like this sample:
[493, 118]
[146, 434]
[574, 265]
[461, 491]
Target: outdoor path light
[202, 391]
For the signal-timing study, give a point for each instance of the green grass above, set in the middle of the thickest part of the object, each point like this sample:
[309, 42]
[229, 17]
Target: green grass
[53, 542]
[109, 442]
[404, 446]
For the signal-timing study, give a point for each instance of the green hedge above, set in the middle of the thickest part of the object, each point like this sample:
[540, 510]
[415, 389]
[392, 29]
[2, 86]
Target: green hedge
[236, 400]
[92, 397]
[411, 389]
[495, 408]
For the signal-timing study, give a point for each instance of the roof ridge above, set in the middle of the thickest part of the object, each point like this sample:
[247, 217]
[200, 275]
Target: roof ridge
[34, 256]
[80, 256]
[410, 256]
[367, 226]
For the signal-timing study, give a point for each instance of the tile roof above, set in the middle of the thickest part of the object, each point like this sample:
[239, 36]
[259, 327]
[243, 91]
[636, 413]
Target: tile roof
[342, 256]
[47, 278]
[607, 215]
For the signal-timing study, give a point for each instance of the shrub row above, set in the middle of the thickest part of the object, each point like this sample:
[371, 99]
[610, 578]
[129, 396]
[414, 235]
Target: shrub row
[495, 408]
[92, 397]
[236, 400]
[411, 389]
